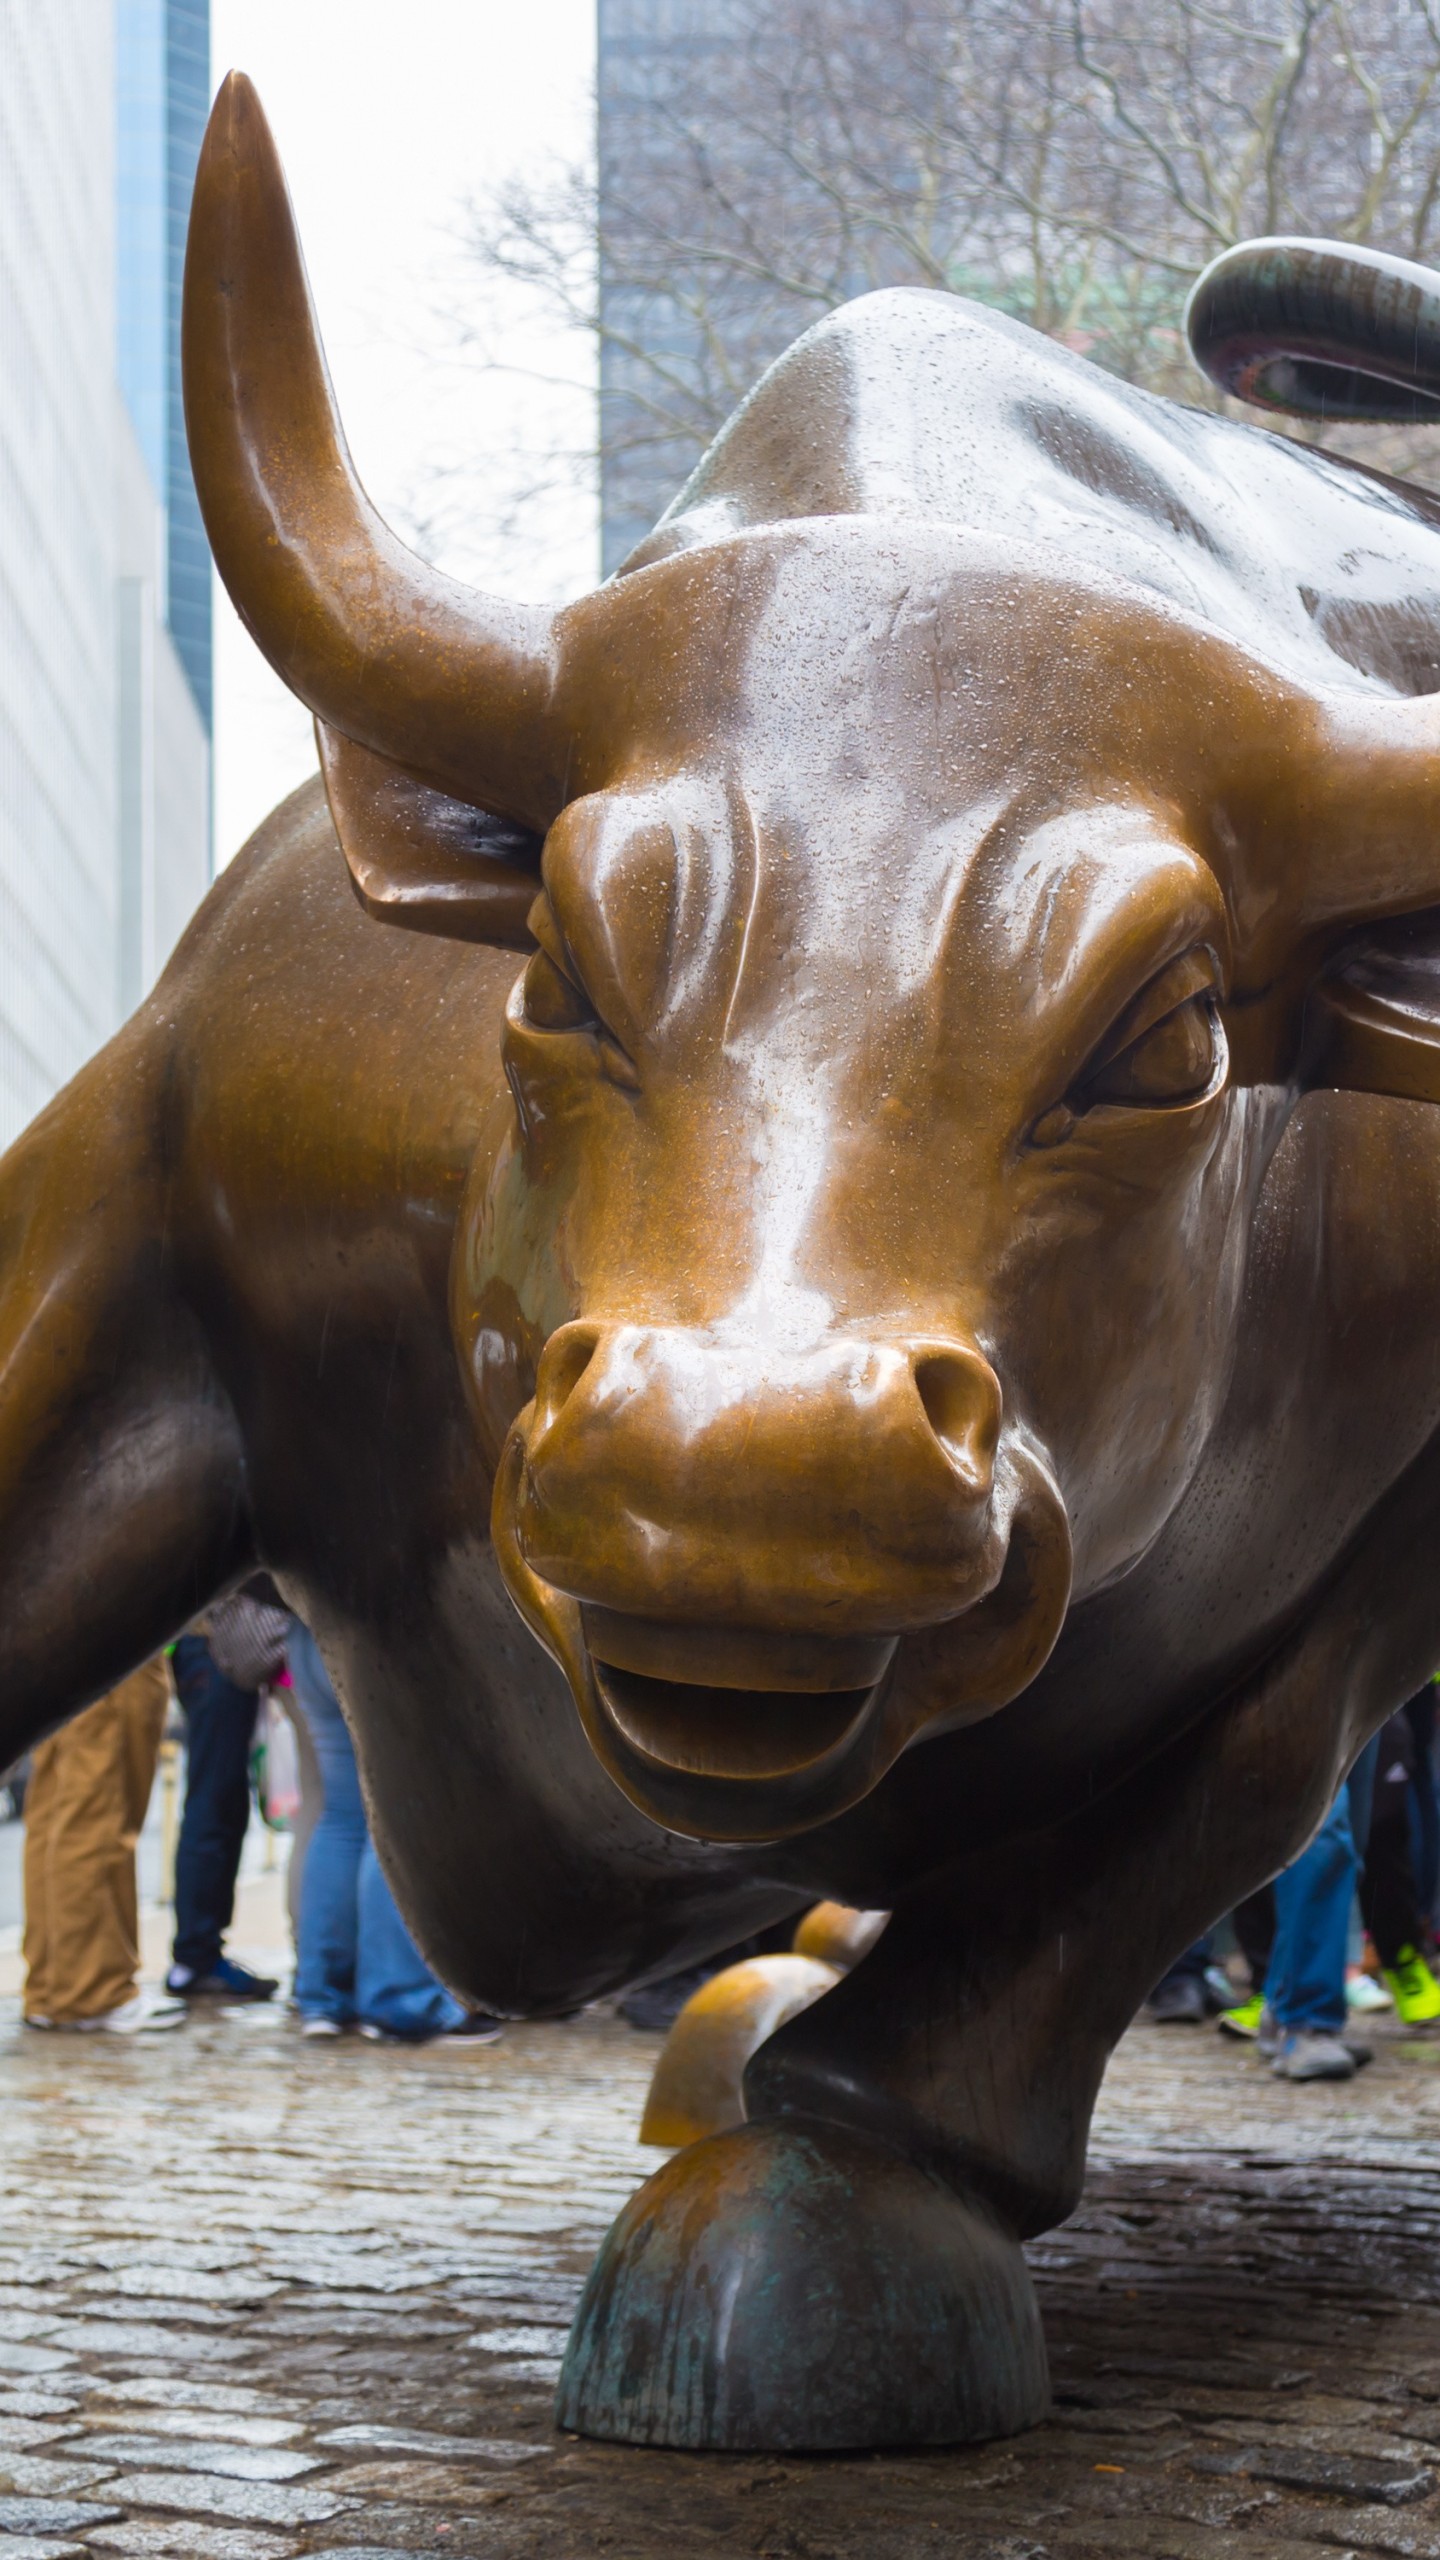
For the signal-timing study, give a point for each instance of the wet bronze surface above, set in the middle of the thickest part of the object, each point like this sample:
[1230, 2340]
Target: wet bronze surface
[895, 1357]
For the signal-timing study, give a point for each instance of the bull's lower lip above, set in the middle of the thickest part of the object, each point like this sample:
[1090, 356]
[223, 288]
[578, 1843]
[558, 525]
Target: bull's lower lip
[709, 1732]
[749, 1734]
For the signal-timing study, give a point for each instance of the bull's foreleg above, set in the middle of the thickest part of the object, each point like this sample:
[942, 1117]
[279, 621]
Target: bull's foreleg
[845, 2269]
[121, 1479]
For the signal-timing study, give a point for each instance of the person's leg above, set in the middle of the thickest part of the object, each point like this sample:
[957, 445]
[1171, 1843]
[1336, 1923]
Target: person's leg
[141, 1701]
[41, 1797]
[1387, 1881]
[394, 1987]
[1306, 1988]
[1360, 1793]
[1178, 1998]
[1254, 1925]
[1420, 1716]
[220, 1721]
[327, 1921]
[1254, 1920]
[93, 1951]
[1388, 1896]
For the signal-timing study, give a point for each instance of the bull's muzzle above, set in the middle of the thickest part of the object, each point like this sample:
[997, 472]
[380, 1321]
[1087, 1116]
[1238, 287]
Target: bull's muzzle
[735, 1556]
[843, 1488]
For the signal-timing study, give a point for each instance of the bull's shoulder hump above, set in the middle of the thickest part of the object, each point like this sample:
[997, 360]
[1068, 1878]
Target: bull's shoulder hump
[286, 1006]
[282, 917]
[286, 882]
[924, 404]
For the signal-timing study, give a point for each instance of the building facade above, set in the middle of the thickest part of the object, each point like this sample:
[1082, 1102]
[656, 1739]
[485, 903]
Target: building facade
[648, 334]
[104, 716]
[686, 325]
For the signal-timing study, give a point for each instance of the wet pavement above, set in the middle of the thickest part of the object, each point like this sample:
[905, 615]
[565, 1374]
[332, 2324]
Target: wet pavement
[261, 2298]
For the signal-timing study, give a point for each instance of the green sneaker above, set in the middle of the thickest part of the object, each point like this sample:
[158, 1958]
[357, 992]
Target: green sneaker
[1414, 1989]
[1243, 2021]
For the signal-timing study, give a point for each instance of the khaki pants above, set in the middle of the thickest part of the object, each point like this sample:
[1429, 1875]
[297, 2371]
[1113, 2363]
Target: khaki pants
[84, 1808]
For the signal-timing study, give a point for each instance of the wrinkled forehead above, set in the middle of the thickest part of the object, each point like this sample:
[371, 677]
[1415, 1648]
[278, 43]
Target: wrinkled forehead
[828, 664]
[829, 732]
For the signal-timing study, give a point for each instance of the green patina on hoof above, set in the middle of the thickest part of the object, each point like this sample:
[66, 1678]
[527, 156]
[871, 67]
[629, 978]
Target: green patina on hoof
[792, 2286]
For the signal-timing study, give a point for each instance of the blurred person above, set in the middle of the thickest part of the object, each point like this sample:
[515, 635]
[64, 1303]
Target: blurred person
[1196, 1986]
[654, 2006]
[220, 1666]
[1420, 1715]
[84, 1811]
[1305, 1987]
[1389, 1897]
[357, 1963]
[1253, 1921]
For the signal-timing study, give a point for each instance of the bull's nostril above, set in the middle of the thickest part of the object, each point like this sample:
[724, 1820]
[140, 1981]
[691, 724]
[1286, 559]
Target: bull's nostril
[563, 1363]
[961, 1397]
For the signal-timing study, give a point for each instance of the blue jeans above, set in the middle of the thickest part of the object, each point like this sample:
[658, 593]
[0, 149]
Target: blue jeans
[356, 1957]
[1305, 1984]
[219, 1724]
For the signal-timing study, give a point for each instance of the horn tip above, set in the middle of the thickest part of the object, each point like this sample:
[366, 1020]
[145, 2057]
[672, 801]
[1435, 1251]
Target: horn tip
[237, 119]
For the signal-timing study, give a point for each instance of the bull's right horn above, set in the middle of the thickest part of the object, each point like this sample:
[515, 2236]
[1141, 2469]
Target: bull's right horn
[433, 675]
[1321, 330]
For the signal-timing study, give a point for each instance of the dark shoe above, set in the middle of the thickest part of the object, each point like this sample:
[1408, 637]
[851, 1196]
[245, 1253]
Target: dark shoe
[225, 1980]
[657, 2005]
[476, 2025]
[1180, 2003]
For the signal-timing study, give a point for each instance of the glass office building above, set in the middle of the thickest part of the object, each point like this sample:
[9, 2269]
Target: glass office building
[104, 586]
[681, 336]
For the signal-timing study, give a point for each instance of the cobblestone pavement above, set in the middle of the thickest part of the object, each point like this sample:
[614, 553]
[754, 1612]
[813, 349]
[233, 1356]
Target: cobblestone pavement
[261, 2298]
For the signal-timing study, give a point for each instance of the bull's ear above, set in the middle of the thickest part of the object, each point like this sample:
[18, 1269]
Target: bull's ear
[421, 859]
[1373, 1020]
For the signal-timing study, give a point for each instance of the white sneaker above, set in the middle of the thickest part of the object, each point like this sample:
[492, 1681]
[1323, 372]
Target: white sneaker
[33, 2019]
[1363, 1993]
[148, 2013]
[1308, 2053]
[314, 2028]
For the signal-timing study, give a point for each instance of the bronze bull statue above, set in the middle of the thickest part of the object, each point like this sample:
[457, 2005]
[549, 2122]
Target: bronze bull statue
[898, 1356]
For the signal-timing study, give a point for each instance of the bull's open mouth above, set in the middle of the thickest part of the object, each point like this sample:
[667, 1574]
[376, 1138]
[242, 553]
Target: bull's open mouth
[729, 1733]
[743, 1732]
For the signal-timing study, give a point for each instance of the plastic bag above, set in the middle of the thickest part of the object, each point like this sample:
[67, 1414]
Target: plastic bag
[275, 1766]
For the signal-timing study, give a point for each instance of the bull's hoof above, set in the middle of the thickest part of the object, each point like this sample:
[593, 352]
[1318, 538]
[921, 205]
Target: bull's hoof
[794, 2287]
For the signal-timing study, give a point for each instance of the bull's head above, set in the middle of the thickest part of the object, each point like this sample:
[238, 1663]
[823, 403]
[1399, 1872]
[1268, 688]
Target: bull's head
[924, 954]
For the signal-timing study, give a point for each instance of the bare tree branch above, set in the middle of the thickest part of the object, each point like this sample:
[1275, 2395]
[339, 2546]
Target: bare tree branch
[1073, 163]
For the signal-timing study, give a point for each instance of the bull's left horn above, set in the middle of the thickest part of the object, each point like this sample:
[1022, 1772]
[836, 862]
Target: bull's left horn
[1320, 329]
[385, 649]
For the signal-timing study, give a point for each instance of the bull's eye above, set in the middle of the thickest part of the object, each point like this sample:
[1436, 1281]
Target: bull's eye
[552, 992]
[553, 1001]
[1165, 1049]
[1173, 1061]
[553, 997]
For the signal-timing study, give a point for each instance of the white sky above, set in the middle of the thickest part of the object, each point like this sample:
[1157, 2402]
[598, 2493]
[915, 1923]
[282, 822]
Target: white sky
[388, 115]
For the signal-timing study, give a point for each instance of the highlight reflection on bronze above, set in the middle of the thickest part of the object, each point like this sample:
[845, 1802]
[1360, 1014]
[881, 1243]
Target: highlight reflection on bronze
[890, 1355]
